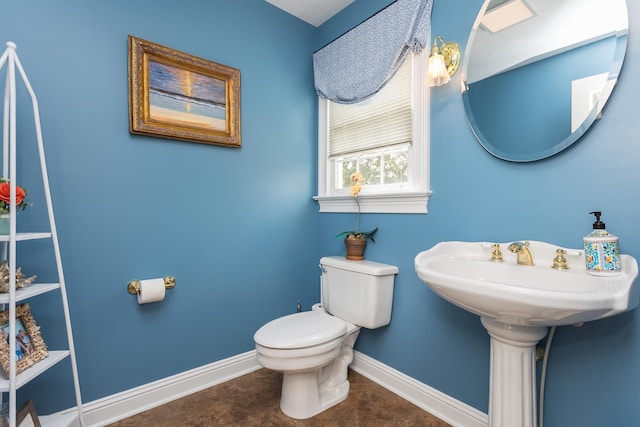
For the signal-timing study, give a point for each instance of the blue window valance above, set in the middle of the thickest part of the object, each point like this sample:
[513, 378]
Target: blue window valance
[359, 63]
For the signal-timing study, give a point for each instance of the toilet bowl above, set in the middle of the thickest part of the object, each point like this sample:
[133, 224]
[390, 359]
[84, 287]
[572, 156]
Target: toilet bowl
[313, 349]
[314, 359]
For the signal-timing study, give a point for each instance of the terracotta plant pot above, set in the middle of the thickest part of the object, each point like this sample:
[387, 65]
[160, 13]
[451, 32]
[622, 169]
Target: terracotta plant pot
[355, 248]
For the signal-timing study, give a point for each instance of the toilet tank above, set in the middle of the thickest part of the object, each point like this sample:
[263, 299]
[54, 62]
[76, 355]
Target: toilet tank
[360, 292]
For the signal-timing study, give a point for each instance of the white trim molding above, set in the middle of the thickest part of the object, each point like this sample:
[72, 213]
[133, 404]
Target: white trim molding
[445, 407]
[387, 203]
[118, 406]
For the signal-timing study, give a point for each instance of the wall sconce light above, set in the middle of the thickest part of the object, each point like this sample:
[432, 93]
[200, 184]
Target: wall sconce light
[443, 62]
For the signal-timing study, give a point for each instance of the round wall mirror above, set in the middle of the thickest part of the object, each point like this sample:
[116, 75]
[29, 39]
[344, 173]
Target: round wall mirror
[536, 74]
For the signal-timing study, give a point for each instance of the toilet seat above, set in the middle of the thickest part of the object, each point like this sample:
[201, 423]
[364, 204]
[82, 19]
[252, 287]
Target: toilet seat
[300, 330]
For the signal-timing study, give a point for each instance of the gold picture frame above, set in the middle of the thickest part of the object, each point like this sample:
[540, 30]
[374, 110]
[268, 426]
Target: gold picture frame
[28, 351]
[179, 96]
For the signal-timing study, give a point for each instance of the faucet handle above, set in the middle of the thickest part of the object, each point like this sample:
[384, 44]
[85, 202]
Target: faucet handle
[560, 262]
[496, 255]
[516, 247]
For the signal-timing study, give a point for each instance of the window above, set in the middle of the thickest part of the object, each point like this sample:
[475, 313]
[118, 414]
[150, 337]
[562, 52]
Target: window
[385, 138]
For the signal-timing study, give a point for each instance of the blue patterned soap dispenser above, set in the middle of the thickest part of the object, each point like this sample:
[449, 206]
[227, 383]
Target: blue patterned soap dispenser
[601, 250]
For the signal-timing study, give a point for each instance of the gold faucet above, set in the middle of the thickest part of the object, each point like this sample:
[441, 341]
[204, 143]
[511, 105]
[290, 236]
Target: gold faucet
[523, 252]
[496, 255]
[560, 262]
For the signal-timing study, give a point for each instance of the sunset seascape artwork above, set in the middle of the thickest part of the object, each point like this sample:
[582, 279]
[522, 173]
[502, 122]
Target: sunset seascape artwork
[176, 95]
[187, 98]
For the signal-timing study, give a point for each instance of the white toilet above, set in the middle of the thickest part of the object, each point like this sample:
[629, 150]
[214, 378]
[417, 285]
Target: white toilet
[313, 349]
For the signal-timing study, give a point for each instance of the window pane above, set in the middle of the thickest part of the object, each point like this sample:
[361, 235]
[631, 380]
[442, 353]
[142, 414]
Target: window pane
[378, 168]
[346, 168]
[370, 167]
[395, 167]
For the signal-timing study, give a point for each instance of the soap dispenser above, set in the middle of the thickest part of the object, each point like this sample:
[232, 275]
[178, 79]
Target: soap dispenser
[601, 250]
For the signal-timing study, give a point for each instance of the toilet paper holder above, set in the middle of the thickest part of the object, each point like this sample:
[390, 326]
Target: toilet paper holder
[134, 286]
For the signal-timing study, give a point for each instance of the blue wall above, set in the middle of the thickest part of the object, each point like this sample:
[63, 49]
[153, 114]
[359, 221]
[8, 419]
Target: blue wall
[238, 227]
[593, 375]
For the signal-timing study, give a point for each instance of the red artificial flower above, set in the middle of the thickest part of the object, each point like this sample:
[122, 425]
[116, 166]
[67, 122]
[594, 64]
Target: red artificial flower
[5, 193]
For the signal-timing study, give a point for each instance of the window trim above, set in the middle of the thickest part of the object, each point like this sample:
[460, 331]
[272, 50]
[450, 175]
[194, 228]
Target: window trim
[411, 200]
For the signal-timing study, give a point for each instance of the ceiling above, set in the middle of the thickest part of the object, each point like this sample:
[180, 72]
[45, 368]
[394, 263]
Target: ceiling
[315, 12]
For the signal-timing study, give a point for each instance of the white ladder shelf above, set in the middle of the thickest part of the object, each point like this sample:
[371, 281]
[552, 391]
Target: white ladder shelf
[9, 242]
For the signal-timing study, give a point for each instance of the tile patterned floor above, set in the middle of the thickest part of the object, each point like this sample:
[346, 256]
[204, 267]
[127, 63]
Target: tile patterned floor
[253, 400]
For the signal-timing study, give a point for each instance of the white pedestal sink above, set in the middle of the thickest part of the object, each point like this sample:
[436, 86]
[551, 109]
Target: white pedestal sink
[517, 303]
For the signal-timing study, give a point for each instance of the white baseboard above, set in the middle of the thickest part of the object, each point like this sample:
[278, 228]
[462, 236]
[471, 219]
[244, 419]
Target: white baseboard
[445, 407]
[118, 406]
[136, 400]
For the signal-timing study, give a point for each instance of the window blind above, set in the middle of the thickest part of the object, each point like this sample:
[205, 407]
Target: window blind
[385, 120]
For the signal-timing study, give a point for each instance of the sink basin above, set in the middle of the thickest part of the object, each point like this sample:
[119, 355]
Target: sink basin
[539, 295]
[516, 304]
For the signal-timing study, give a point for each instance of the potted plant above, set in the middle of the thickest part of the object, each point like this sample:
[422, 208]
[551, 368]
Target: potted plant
[5, 202]
[356, 240]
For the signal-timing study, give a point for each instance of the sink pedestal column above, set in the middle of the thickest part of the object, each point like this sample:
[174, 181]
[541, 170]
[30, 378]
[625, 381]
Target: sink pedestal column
[512, 389]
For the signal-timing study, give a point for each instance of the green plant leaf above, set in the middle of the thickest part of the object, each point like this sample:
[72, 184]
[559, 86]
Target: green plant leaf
[345, 233]
[369, 234]
[366, 234]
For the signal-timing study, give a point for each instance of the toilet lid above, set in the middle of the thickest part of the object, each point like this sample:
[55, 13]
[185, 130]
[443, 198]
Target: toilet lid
[300, 330]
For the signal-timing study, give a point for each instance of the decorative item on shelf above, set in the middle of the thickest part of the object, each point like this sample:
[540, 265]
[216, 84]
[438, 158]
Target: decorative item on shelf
[30, 347]
[21, 281]
[4, 223]
[5, 201]
[27, 416]
[356, 241]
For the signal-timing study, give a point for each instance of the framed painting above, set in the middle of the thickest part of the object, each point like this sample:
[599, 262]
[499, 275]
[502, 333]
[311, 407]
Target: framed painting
[179, 96]
[30, 348]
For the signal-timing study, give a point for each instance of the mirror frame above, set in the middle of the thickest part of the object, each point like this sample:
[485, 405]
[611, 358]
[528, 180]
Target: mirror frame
[594, 114]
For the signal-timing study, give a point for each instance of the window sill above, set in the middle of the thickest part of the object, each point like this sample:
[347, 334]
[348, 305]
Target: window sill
[380, 203]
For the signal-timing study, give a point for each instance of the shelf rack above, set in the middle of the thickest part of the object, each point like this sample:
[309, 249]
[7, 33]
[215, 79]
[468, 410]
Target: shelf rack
[9, 243]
